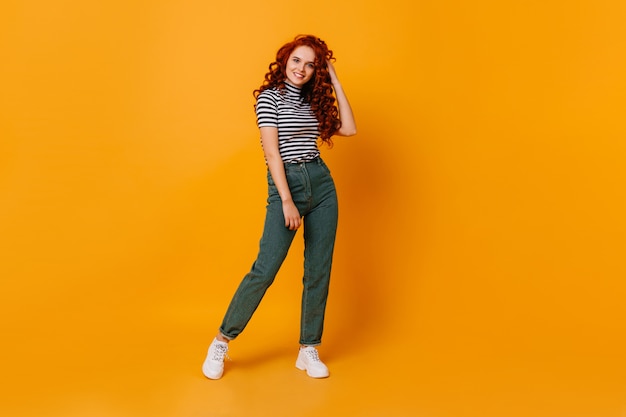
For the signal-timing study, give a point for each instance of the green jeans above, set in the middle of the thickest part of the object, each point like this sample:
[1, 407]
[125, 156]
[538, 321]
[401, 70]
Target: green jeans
[313, 191]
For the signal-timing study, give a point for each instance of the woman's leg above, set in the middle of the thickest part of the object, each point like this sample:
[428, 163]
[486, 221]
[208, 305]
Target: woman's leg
[273, 249]
[320, 227]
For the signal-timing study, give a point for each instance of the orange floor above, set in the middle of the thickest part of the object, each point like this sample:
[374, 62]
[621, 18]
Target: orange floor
[143, 358]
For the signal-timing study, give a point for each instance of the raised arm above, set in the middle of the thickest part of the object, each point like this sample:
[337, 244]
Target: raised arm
[348, 125]
[269, 139]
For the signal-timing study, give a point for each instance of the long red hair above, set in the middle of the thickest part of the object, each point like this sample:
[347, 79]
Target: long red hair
[318, 91]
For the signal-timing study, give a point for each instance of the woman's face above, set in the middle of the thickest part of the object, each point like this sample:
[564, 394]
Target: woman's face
[300, 65]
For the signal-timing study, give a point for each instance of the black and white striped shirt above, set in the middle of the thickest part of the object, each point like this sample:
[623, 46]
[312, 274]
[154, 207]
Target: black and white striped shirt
[298, 128]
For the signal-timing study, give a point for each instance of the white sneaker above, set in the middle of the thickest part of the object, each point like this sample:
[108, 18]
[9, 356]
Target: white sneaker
[213, 366]
[309, 361]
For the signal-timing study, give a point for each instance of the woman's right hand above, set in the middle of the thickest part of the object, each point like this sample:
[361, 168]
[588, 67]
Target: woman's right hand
[293, 220]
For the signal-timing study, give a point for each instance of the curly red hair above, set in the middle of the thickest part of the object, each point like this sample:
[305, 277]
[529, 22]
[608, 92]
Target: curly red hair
[318, 91]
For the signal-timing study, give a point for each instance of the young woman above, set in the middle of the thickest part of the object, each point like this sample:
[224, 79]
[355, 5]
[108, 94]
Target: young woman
[295, 109]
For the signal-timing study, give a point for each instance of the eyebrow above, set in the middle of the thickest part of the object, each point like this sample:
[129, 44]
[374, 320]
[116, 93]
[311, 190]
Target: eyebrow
[309, 62]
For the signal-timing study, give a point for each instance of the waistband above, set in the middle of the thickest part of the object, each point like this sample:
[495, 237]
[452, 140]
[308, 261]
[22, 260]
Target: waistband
[316, 160]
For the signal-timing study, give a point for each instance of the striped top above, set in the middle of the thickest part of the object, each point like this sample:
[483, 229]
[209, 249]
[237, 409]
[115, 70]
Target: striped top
[298, 128]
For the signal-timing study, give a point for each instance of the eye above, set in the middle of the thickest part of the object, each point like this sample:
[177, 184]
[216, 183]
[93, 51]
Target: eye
[310, 65]
[296, 60]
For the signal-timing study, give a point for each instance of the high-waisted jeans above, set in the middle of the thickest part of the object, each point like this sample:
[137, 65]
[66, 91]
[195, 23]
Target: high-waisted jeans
[313, 192]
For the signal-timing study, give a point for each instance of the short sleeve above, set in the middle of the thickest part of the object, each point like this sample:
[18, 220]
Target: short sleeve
[266, 110]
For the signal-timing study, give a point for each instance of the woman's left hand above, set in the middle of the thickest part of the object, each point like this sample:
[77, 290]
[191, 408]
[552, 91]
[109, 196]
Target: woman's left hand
[332, 72]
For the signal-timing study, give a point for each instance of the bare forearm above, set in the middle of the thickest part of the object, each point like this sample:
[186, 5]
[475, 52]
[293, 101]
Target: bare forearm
[348, 124]
[277, 171]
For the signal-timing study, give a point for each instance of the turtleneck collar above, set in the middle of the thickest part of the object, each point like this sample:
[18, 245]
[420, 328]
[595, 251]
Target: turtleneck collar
[292, 89]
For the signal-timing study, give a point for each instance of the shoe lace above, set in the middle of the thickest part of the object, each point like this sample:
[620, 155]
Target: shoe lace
[220, 353]
[313, 355]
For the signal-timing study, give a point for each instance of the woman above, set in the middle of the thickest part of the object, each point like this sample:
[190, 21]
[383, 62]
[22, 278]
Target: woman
[295, 108]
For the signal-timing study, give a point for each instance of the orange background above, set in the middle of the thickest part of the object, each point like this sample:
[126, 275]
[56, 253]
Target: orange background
[480, 259]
